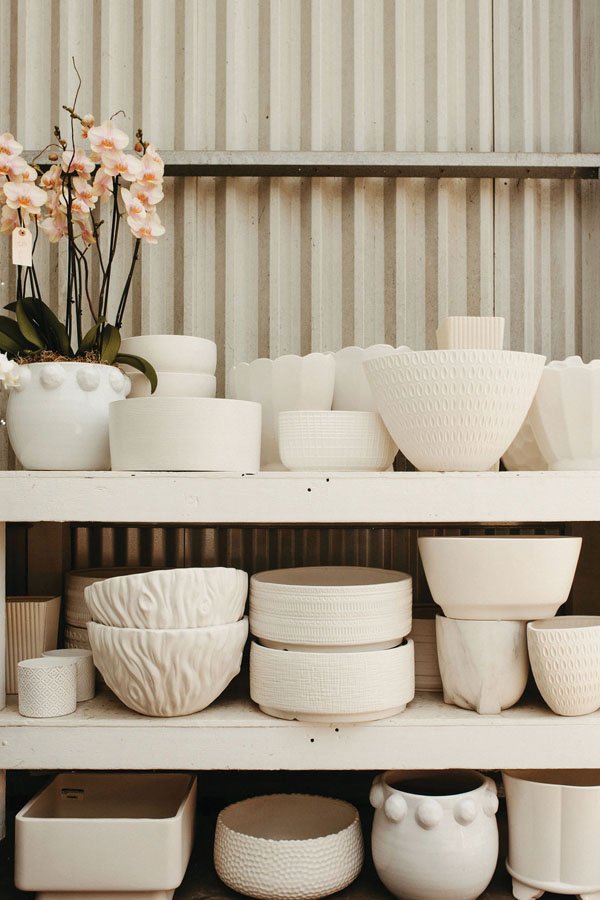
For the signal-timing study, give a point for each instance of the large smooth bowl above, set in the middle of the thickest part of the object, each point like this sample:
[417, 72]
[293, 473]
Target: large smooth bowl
[171, 598]
[170, 672]
[564, 655]
[288, 846]
[174, 384]
[352, 389]
[174, 352]
[454, 410]
[513, 577]
[334, 441]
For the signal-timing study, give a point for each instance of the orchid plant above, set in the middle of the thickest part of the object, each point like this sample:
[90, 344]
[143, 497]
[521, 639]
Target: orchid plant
[64, 203]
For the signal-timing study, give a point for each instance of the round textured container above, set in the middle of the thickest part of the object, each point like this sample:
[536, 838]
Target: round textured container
[47, 687]
[288, 846]
[332, 687]
[564, 654]
[470, 333]
[174, 384]
[76, 638]
[334, 441]
[174, 352]
[85, 670]
[76, 581]
[331, 607]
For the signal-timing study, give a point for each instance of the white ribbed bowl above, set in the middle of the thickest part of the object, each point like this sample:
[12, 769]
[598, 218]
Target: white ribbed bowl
[170, 598]
[76, 581]
[454, 410]
[470, 333]
[330, 607]
[288, 846]
[173, 352]
[564, 654]
[352, 391]
[174, 384]
[332, 687]
[168, 672]
[334, 441]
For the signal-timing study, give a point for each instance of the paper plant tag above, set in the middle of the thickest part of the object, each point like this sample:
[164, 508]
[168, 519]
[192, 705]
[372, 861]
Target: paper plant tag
[22, 242]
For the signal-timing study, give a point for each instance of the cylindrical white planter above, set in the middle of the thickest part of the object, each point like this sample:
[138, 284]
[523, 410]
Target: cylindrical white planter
[435, 835]
[85, 670]
[470, 333]
[47, 687]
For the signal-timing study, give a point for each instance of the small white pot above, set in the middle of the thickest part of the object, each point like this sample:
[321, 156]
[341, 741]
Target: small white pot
[174, 384]
[564, 654]
[484, 665]
[31, 628]
[470, 333]
[47, 687]
[435, 835]
[334, 441]
[58, 416]
[85, 671]
[174, 352]
[352, 389]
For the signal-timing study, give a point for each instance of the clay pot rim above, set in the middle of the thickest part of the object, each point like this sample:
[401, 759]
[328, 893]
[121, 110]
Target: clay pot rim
[565, 624]
[394, 778]
[543, 776]
[300, 842]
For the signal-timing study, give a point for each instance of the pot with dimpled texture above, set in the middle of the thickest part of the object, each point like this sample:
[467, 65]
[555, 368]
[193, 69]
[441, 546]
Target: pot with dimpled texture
[564, 655]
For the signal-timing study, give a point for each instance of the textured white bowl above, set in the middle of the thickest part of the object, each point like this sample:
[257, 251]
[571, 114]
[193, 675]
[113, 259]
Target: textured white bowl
[47, 687]
[85, 674]
[513, 577]
[352, 389]
[174, 352]
[470, 333]
[168, 672]
[332, 687]
[31, 628]
[174, 384]
[184, 434]
[288, 846]
[427, 670]
[289, 382]
[564, 654]
[330, 607]
[565, 414]
[524, 454]
[76, 581]
[76, 638]
[170, 598]
[334, 441]
[454, 410]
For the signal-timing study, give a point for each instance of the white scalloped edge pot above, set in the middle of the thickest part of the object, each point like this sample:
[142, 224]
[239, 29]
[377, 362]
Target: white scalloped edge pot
[288, 846]
[57, 417]
[435, 835]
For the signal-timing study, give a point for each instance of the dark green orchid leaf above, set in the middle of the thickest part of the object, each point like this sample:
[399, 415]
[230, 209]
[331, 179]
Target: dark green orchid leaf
[142, 365]
[28, 328]
[109, 343]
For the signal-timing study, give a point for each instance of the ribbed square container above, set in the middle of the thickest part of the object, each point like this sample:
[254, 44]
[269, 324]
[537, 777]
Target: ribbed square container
[31, 628]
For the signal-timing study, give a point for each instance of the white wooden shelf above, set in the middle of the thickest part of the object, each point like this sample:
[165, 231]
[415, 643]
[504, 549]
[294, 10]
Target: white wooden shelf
[280, 498]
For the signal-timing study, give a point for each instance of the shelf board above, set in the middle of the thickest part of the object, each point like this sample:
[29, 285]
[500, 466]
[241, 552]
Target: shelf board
[285, 497]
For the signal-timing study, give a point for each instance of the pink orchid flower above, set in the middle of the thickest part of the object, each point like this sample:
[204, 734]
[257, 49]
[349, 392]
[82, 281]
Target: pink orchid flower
[106, 137]
[77, 161]
[117, 163]
[102, 184]
[12, 166]
[27, 197]
[55, 226]
[152, 153]
[9, 220]
[148, 229]
[85, 191]
[152, 172]
[9, 146]
[148, 194]
[51, 179]
[85, 231]
[29, 174]
[135, 208]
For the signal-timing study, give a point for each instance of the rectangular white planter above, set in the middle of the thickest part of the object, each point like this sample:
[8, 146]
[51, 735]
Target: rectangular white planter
[107, 834]
[31, 628]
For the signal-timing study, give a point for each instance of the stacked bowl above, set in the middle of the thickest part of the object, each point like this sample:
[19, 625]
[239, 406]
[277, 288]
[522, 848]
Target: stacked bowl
[185, 365]
[169, 642]
[330, 643]
[76, 611]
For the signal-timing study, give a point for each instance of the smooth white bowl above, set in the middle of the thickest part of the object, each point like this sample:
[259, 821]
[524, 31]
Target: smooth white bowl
[524, 454]
[332, 687]
[184, 434]
[173, 352]
[168, 672]
[454, 410]
[334, 441]
[330, 607]
[352, 390]
[76, 581]
[288, 382]
[170, 598]
[564, 654]
[174, 384]
[514, 577]
[289, 846]
[470, 333]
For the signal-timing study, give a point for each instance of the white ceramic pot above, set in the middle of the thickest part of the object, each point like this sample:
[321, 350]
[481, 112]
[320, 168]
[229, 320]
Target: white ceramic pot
[47, 687]
[76, 581]
[58, 416]
[427, 670]
[524, 454]
[174, 352]
[31, 628]
[289, 382]
[470, 333]
[512, 577]
[189, 434]
[170, 671]
[553, 827]
[484, 665]
[330, 608]
[174, 384]
[85, 674]
[565, 414]
[334, 441]
[288, 846]
[332, 687]
[435, 835]
[564, 654]
[352, 389]
[454, 410]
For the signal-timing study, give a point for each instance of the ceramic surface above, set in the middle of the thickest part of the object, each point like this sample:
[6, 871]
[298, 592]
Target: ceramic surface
[76, 581]
[185, 434]
[484, 665]
[334, 441]
[47, 687]
[352, 390]
[288, 846]
[330, 607]
[85, 674]
[76, 638]
[470, 333]
[427, 670]
[95, 832]
[168, 672]
[170, 598]
[289, 382]
[58, 417]
[435, 835]
[454, 410]
[31, 628]
[511, 577]
[174, 384]
[332, 687]
[564, 654]
[174, 352]
[554, 822]
[524, 454]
